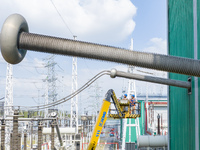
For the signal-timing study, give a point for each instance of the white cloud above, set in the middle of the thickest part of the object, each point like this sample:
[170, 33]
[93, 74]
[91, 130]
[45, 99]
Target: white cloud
[90, 20]
[156, 45]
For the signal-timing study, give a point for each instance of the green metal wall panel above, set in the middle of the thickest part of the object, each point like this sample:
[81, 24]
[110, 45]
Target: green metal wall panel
[181, 43]
[142, 118]
[198, 47]
[133, 131]
[127, 132]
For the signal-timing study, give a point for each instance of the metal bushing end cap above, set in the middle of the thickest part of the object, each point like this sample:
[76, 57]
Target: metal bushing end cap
[113, 73]
[12, 27]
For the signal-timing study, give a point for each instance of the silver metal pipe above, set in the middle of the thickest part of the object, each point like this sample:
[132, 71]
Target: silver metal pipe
[183, 84]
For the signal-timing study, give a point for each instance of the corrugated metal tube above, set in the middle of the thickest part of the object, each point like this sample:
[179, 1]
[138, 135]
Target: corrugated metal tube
[61, 46]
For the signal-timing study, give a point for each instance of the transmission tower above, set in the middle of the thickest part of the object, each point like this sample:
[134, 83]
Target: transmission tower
[8, 102]
[46, 97]
[96, 91]
[9, 92]
[61, 113]
[74, 100]
[50, 90]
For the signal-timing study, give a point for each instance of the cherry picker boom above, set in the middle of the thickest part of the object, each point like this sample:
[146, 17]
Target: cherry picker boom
[122, 108]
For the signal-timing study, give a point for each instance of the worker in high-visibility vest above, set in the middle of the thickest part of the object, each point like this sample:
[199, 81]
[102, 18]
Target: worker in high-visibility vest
[133, 104]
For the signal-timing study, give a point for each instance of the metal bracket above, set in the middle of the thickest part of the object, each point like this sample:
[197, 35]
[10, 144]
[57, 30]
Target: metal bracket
[190, 89]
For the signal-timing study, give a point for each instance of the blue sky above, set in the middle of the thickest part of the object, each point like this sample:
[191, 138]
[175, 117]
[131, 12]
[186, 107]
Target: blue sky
[151, 21]
[106, 22]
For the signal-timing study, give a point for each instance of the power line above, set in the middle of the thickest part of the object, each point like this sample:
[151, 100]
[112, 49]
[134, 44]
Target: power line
[2, 98]
[61, 17]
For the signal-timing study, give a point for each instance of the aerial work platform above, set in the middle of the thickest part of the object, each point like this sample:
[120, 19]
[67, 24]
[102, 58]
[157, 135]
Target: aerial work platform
[122, 109]
[128, 112]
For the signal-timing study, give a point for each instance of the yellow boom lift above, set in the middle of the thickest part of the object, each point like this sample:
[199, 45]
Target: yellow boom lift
[122, 108]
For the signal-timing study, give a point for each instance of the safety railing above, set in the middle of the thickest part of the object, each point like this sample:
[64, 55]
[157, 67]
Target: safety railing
[114, 147]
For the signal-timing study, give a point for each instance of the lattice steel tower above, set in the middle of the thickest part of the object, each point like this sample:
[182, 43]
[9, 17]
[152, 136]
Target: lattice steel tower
[50, 91]
[74, 100]
[8, 110]
[9, 92]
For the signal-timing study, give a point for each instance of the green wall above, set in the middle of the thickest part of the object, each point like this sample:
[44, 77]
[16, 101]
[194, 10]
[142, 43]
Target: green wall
[198, 48]
[181, 105]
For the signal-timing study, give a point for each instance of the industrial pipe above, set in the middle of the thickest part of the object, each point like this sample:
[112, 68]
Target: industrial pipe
[65, 130]
[152, 141]
[114, 73]
[15, 40]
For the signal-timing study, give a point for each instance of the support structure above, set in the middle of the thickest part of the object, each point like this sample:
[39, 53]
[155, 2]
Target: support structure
[8, 103]
[158, 117]
[31, 135]
[19, 141]
[15, 130]
[25, 141]
[74, 100]
[3, 134]
[52, 135]
[39, 135]
[9, 91]
[50, 94]
[11, 140]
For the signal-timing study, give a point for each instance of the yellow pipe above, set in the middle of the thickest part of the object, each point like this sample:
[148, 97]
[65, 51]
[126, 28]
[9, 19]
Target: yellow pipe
[99, 125]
